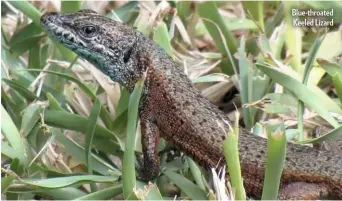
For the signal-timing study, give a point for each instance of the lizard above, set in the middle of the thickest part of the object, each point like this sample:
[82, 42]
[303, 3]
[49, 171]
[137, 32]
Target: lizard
[173, 108]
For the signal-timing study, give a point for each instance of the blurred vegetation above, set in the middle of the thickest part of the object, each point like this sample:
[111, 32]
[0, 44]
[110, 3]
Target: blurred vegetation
[65, 126]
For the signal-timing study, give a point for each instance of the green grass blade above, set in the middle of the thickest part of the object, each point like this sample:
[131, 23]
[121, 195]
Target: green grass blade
[256, 10]
[90, 131]
[276, 153]
[104, 194]
[5, 182]
[161, 37]
[274, 21]
[27, 44]
[31, 115]
[67, 193]
[300, 125]
[122, 105]
[338, 85]
[71, 6]
[257, 129]
[231, 154]
[28, 9]
[12, 108]
[311, 58]
[53, 103]
[245, 78]
[14, 65]
[184, 10]
[209, 12]
[128, 172]
[61, 182]
[4, 39]
[89, 136]
[147, 192]
[308, 66]
[69, 78]
[35, 57]
[234, 24]
[331, 46]
[293, 38]
[105, 116]
[189, 188]
[328, 136]
[7, 150]
[304, 93]
[214, 77]
[126, 12]
[196, 172]
[27, 32]
[78, 152]
[75, 122]
[330, 67]
[29, 95]
[17, 142]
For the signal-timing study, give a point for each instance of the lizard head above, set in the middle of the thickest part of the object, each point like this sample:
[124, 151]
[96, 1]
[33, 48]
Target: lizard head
[106, 43]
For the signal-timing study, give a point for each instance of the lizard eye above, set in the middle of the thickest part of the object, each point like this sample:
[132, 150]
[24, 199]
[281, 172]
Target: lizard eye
[89, 31]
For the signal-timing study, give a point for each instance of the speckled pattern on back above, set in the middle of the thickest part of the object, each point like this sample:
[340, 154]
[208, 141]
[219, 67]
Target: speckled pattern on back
[174, 109]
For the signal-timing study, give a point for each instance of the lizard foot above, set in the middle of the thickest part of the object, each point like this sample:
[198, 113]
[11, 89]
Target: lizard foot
[142, 173]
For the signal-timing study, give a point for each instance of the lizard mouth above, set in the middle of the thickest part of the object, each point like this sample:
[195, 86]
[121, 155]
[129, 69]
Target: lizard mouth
[54, 26]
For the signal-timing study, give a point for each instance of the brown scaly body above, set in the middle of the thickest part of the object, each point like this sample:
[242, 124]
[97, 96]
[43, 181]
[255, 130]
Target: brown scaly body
[171, 107]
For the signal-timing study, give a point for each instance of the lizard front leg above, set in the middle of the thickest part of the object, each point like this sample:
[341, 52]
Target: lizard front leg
[149, 141]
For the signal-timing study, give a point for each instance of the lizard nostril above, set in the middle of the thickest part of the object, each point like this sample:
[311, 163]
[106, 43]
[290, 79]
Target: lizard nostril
[48, 17]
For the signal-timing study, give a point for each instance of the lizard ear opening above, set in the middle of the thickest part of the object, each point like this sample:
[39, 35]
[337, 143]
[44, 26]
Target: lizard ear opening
[127, 54]
[88, 11]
